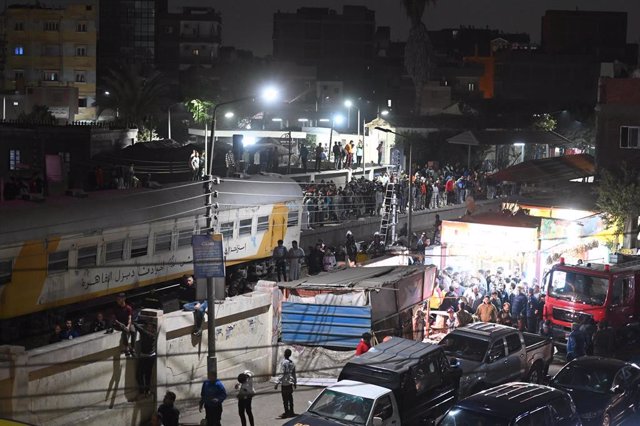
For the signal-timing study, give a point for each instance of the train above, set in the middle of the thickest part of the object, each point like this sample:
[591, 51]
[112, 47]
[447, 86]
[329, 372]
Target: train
[68, 253]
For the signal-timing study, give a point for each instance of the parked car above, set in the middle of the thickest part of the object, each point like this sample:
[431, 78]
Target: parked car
[492, 354]
[399, 382]
[606, 391]
[514, 404]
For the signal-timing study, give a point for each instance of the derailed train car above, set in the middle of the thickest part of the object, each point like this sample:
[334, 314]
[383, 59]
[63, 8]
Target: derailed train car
[68, 253]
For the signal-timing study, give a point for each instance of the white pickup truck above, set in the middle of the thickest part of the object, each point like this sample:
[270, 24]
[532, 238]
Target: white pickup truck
[399, 382]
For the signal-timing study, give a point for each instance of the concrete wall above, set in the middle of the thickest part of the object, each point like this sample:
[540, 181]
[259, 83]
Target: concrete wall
[88, 381]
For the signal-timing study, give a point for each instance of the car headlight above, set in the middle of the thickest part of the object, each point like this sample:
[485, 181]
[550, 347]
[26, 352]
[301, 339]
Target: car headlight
[590, 415]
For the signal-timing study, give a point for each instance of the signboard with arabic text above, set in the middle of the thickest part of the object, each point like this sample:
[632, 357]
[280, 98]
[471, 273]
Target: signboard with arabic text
[208, 256]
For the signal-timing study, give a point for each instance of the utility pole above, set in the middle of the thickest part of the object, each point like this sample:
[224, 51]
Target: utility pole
[289, 141]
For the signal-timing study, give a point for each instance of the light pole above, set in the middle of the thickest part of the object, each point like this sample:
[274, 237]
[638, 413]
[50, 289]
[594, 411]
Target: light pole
[410, 205]
[269, 94]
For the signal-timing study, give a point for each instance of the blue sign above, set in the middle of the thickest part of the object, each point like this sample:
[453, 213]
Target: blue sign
[208, 256]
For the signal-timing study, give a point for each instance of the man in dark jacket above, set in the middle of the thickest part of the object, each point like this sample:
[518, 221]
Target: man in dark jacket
[519, 305]
[146, 355]
[532, 312]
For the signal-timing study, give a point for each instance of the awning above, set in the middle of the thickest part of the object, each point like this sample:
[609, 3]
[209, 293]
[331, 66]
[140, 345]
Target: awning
[553, 170]
[490, 137]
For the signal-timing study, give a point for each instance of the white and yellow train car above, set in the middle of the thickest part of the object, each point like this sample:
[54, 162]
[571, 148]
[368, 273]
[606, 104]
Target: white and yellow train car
[67, 252]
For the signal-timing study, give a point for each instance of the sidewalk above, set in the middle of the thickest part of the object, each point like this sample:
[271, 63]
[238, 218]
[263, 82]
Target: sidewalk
[266, 406]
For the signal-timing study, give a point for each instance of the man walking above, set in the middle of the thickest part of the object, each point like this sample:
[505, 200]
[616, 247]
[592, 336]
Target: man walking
[280, 259]
[212, 395]
[288, 381]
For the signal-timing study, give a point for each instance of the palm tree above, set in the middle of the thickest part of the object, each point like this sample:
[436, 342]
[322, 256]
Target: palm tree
[417, 51]
[136, 99]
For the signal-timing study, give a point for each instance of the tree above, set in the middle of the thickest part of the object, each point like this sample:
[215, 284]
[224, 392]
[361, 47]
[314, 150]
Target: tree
[200, 110]
[39, 114]
[619, 198]
[135, 98]
[418, 50]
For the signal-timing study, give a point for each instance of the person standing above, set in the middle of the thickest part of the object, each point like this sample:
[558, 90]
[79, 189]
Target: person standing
[123, 321]
[195, 165]
[289, 382]
[69, 333]
[337, 153]
[170, 414]
[603, 341]
[351, 248]
[245, 396]
[304, 156]
[533, 312]
[486, 311]
[359, 153]
[146, 355]
[280, 260]
[576, 343]
[365, 344]
[295, 256]
[380, 150]
[318, 153]
[462, 316]
[212, 395]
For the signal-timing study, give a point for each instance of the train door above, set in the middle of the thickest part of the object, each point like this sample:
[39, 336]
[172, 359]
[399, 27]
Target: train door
[278, 225]
[621, 305]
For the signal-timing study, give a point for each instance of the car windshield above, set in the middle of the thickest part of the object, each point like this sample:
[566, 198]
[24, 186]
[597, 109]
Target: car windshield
[464, 347]
[581, 377]
[578, 287]
[463, 417]
[342, 407]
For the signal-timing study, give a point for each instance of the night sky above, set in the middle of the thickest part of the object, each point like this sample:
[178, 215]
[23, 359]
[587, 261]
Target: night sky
[238, 16]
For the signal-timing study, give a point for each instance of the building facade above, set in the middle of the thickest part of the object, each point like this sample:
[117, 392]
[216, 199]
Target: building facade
[52, 48]
[618, 123]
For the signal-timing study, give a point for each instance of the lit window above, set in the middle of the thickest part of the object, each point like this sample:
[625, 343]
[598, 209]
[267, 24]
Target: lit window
[19, 26]
[58, 262]
[292, 218]
[18, 50]
[81, 77]
[195, 52]
[50, 76]
[14, 159]
[81, 50]
[472, 87]
[87, 256]
[630, 137]
[81, 27]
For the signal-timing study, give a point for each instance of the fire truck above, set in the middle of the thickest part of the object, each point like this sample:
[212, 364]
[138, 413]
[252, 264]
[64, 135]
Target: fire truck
[602, 292]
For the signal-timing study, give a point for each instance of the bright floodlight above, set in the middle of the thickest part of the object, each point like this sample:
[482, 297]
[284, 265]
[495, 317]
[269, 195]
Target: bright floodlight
[107, 93]
[338, 119]
[270, 94]
[303, 120]
[348, 103]
[518, 144]
[248, 140]
[228, 114]
[384, 112]
[324, 120]
[276, 119]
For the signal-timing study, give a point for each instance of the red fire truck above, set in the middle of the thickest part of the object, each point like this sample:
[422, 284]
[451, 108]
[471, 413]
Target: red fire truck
[595, 290]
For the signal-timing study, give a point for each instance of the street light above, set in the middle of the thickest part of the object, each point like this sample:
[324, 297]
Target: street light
[410, 215]
[348, 104]
[270, 94]
[229, 114]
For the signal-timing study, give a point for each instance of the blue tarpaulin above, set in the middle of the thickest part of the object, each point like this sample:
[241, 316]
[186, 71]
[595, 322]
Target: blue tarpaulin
[324, 325]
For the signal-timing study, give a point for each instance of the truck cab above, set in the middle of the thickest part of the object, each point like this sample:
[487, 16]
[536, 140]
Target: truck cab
[601, 292]
[399, 382]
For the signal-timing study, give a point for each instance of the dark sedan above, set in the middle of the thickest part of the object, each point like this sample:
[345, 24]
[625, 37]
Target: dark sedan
[606, 391]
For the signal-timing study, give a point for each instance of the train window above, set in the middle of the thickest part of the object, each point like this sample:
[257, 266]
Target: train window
[226, 229]
[184, 237]
[58, 262]
[245, 226]
[87, 256]
[115, 251]
[292, 218]
[6, 269]
[163, 242]
[139, 247]
[263, 223]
